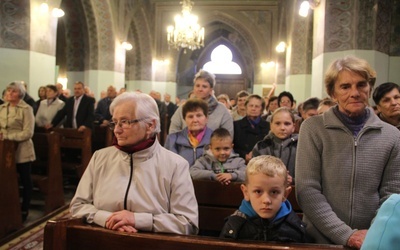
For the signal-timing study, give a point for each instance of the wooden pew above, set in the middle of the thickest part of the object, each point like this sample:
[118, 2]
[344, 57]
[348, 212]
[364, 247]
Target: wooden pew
[10, 208]
[75, 234]
[47, 171]
[216, 202]
[102, 137]
[73, 139]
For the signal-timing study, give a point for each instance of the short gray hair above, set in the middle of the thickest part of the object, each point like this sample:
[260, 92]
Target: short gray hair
[19, 85]
[146, 107]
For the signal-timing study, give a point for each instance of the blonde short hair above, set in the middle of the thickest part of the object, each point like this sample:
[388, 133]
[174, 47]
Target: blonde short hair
[268, 165]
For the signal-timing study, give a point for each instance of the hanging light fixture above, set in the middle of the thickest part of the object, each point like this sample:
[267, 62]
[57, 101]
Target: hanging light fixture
[187, 33]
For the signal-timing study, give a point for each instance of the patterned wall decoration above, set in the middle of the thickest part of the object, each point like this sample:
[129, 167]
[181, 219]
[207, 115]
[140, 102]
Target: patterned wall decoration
[15, 24]
[365, 33]
[104, 35]
[301, 45]
[382, 30]
[395, 29]
[92, 58]
[139, 59]
[77, 47]
[339, 20]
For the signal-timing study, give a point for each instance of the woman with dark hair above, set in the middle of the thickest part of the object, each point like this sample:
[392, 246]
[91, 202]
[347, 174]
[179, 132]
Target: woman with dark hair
[42, 96]
[387, 99]
[17, 123]
[190, 142]
[347, 160]
[218, 114]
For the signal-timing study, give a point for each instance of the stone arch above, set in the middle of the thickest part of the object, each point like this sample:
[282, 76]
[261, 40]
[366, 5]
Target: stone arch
[226, 28]
[138, 60]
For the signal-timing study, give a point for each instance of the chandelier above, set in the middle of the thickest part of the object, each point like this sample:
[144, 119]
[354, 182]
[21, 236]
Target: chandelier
[187, 33]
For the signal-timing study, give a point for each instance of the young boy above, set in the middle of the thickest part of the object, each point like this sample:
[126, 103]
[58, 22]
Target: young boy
[219, 162]
[265, 214]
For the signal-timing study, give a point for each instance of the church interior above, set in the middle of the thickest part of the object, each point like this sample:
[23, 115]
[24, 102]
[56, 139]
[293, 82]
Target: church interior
[132, 45]
[87, 43]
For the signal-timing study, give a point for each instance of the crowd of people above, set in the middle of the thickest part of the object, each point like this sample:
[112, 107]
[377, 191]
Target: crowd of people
[342, 155]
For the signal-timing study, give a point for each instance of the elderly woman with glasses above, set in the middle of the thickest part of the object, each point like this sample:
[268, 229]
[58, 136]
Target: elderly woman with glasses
[348, 160]
[137, 185]
[17, 123]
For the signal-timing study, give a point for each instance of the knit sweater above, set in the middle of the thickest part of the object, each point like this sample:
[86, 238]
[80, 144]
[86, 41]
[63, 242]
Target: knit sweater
[341, 180]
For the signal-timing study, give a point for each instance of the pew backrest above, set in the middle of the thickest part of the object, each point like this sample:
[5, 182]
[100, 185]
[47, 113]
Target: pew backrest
[74, 234]
[216, 202]
[48, 159]
[73, 139]
[10, 209]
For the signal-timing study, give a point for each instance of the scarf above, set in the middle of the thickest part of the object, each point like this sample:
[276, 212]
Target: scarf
[195, 140]
[135, 148]
[355, 124]
[212, 105]
[255, 122]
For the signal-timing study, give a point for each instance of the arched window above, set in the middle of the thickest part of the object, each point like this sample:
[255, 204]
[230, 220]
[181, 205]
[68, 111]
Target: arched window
[221, 62]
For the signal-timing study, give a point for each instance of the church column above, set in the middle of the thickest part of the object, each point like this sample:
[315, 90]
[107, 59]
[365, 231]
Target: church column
[27, 43]
[298, 55]
[360, 28]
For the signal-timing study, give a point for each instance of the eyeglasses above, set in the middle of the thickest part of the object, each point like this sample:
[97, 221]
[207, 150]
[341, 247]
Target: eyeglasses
[123, 123]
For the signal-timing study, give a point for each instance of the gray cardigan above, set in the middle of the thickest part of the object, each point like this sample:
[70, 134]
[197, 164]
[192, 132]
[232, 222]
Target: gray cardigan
[341, 181]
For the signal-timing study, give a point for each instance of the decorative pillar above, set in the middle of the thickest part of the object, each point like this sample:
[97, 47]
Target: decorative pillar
[359, 28]
[298, 55]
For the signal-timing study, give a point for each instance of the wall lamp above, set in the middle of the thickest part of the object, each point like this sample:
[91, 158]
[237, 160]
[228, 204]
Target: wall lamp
[126, 46]
[281, 47]
[307, 5]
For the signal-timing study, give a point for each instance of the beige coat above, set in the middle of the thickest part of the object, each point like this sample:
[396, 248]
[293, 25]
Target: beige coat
[17, 124]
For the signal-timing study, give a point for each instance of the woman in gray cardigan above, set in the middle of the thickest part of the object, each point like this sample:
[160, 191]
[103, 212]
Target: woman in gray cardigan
[348, 160]
[218, 114]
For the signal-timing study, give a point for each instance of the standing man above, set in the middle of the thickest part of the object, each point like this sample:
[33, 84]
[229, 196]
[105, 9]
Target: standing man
[78, 110]
[102, 112]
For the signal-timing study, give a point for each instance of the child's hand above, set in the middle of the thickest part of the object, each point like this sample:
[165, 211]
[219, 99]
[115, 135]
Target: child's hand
[224, 178]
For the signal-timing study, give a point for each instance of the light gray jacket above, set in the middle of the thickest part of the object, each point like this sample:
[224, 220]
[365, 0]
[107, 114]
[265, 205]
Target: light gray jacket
[17, 124]
[341, 181]
[161, 193]
[207, 167]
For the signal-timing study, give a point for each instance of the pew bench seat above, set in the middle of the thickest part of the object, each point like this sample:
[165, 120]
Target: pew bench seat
[75, 234]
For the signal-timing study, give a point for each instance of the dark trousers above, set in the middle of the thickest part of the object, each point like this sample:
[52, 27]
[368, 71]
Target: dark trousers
[24, 171]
